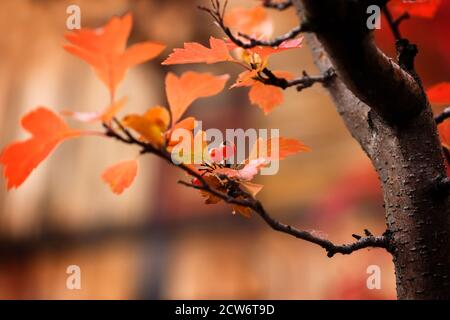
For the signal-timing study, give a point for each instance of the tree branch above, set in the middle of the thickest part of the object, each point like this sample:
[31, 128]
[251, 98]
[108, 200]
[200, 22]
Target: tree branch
[248, 201]
[217, 12]
[331, 248]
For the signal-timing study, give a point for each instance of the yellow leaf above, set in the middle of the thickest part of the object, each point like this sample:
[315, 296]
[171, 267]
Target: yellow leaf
[151, 126]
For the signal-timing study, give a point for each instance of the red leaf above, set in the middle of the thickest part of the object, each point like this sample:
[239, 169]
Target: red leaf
[21, 158]
[418, 8]
[444, 133]
[439, 93]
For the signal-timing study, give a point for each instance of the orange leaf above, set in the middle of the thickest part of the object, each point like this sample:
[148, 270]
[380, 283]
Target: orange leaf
[182, 91]
[196, 53]
[187, 124]
[444, 133]
[254, 21]
[105, 50]
[286, 147]
[265, 52]
[121, 175]
[246, 79]
[104, 116]
[21, 158]
[419, 8]
[439, 93]
[141, 52]
[267, 97]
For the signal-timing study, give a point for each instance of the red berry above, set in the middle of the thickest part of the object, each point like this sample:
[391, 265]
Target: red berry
[228, 150]
[196, 182]
[216, 154]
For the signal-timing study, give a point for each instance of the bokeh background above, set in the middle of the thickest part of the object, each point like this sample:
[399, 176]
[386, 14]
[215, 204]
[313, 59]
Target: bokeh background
[158, 240]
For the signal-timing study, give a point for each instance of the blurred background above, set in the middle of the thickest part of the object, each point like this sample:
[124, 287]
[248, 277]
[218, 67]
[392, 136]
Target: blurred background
[158, 240]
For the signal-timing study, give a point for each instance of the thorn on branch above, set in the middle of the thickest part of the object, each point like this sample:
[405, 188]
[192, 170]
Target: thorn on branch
[301, 83]
[277, 5]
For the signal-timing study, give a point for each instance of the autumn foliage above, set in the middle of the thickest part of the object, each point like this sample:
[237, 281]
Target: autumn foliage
[105, 50]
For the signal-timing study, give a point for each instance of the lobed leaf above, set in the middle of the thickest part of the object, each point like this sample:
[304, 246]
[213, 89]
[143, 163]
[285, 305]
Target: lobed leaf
[196, 53]
[182, 91]
[120, 176]
[19, 159]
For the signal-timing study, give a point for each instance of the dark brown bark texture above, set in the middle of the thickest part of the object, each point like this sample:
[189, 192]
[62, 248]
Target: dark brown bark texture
[385, 109]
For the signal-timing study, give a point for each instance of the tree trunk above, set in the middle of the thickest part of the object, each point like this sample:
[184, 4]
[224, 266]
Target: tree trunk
[386, 111]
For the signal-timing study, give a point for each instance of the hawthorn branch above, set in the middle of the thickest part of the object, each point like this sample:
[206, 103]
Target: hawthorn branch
[247, 200]
[331, 248]
[217, 12]
[277, 5]
[300, 83]
[275, 42]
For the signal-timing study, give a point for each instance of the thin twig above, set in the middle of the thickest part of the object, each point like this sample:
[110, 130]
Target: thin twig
[442, 116]
[277, 5]
[217, 12]
[394, 24]
[275, 42]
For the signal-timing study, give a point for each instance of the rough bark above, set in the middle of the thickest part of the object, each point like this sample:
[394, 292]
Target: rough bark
[385, 109]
